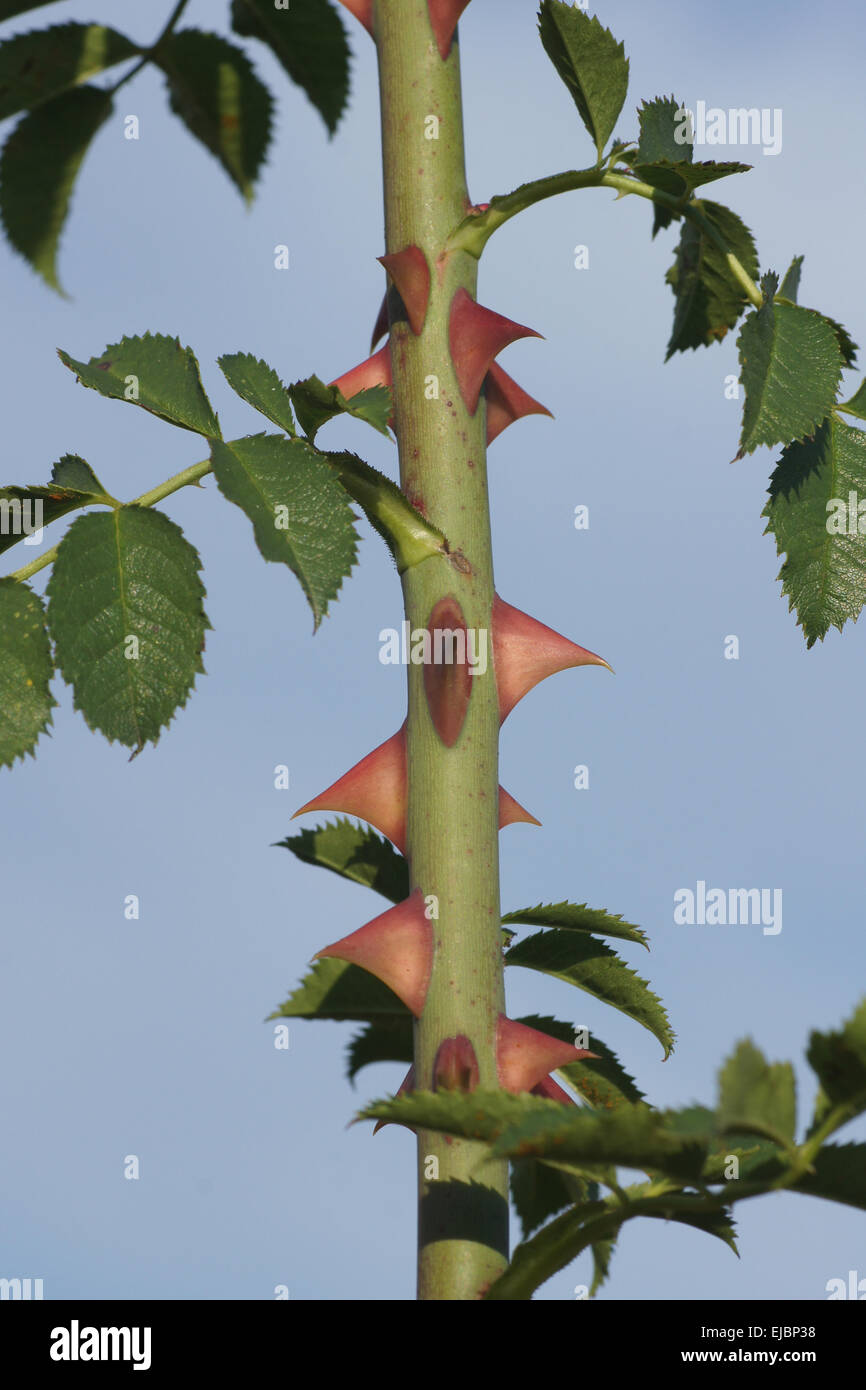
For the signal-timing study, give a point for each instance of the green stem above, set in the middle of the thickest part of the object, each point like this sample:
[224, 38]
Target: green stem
[452, 843]
[474, 231]
[149, 52]
[147, 499]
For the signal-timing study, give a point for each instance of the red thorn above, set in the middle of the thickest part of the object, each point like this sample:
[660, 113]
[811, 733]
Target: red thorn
[507, 402]
[406, 1085]
[411, 274]
[447, 682]
[475, 336]
[375, 371]
[396, 947]
[525, 652]
[380, 327]
[551, 1090]
[456, 1066]
[444, 15]
[511, 812]
[363, 10]
[375, 790]
[524, 1057]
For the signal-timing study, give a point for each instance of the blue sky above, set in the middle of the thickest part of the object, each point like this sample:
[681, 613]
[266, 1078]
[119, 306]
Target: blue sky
[147, 1037]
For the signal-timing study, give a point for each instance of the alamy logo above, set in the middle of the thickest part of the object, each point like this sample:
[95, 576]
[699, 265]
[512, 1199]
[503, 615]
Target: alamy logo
[846, 518]
[739, 126]
[444, 646]
[76, 1343]
[19, 518]
[737, 906]
[23, 1289]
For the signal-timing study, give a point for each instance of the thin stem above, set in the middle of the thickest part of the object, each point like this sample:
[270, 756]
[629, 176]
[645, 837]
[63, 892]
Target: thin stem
[147, 499]
[475, 230]
[147, 56]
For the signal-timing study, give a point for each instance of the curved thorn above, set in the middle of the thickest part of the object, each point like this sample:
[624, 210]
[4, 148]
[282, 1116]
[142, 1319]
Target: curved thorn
[396, 947]
[362, 10]
[526, 652]
[374, 789]
[406, 1085]
[524, 1057]
[380, 328]
[411, 274]
[374, 371]
[507, 402]
[476, 335]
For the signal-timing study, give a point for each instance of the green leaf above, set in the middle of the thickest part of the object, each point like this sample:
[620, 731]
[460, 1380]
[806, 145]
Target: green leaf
[408, 535]
[578, 917]
[538, 1192]
[591, 63]
[10, 8]
[839, 1061]
[790, 286]
[315, 404]
[691, 1210]
[552, 1249]
[602, 1254]
[23, 510]
[38, 166]
[38, 66]
[300, 514]
[26, 669]
[709, 300]
[355, 852]
[847, 346]
[632, 1136]
[478, 1114]
[310, 41]
[152, 371]
[791, 365]
[819, 526]
[382, 1040]
[258, 385]
[839, 1175]
[757, 1097]
[120, 575]
[336, 990]
[659, 127]
[857, 404]
[595, 968]
[214, 90]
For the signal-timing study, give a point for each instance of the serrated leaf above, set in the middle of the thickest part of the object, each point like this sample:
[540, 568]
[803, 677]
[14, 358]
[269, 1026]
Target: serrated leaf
[478, 1114]
[354, 852]
[152, 371]
[383, 1040]
[602, 1254]
[259, 385]
[790, 286]
[127, 574]
[300, 514]
[591, 63]
[659, 127]
[814, 513]
[10, 8]
[336, 990]
[790, 368]
[595, 968]
[632, 1136]
[839, 1061]
[847, 346]
[26, 669]
[578, 917]
[552, 1249]
[538, 1192]
[680, 180]
[40, 65]
[709, 300]
[38, 166]
[315, 404]
[757, 1097]
[408, 535]
[214, 90]
[309, 40]
[839, 1175]
[24, 510]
